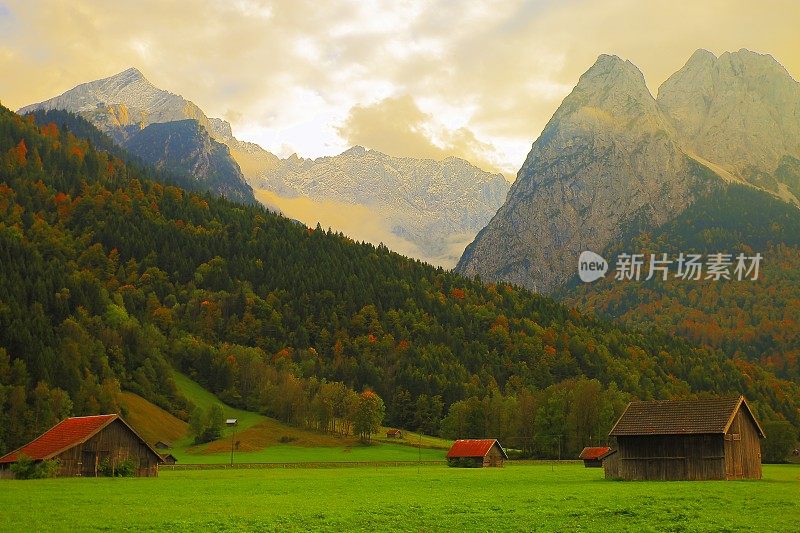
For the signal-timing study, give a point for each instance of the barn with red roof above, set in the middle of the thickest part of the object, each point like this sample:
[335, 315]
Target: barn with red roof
[476, 453]
[593, 456]
[88, 446]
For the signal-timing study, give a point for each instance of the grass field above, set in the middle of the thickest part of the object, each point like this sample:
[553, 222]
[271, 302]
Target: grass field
[287, 453]
[537, 497]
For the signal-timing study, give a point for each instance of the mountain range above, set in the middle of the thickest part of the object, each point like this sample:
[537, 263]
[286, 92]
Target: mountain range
[614, 161]
[427, 209]
[424, 208]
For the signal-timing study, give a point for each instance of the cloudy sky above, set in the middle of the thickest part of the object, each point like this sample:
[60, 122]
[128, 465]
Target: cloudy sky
[419, 78]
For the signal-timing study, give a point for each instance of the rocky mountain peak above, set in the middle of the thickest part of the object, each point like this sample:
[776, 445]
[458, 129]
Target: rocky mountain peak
[355, 151]
[604, 162]
[130, 74]
[612, 72]
[614, 158]
[220, 129]
[611, 94]
[738, 111]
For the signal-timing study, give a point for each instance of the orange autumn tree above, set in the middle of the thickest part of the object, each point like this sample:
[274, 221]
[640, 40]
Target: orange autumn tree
[369, 415]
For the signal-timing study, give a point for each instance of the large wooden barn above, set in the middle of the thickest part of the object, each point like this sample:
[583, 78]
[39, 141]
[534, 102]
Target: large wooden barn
[686, 440]
[476, 453]
[83, 445]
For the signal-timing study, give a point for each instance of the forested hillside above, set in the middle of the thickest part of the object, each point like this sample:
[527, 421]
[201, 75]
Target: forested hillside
[107, 279]
[755, 321]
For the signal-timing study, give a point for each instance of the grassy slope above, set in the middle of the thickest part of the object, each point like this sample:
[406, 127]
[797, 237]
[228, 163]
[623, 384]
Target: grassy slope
[260, 439]
[151, 422]
[527, 497]
[202, 398]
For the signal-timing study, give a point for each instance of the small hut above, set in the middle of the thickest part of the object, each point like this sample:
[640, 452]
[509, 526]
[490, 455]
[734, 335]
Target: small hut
[687, 440]
[394, 434]
[593, 456]
[476, 453]
[161, 445]
[87, 446]
[168, 459]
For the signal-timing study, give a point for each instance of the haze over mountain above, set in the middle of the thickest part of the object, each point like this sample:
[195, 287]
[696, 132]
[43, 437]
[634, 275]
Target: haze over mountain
[424, 208]
[613, 160]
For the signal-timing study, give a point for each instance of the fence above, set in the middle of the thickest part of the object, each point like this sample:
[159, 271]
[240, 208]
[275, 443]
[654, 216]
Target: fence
[315, 464]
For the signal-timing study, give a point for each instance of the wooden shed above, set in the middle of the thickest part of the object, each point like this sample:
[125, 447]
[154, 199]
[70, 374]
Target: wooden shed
[476, 453]
[168, 459]
[687, 440]
[86, 445]
[593, 456]
[394, 434]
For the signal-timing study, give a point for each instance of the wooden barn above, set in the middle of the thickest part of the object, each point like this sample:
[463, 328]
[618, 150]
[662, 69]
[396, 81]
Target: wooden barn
[593, 456]
[394, 434]
[83, 445]
[476, 453]
[686, 440]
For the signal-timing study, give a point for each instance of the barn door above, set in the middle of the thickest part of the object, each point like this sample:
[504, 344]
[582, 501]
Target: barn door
[734, 451]
[89, 464]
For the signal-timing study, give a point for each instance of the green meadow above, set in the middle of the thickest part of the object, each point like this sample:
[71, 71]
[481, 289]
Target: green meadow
[286, 453]
[532, 497]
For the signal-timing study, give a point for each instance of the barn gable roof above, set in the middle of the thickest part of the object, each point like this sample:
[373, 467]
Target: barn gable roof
[473, 448]
[594, 453]
[66, 434]
[681, 417]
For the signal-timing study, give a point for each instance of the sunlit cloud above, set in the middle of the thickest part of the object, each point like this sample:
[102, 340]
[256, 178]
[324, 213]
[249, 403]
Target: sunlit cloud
[478, 79]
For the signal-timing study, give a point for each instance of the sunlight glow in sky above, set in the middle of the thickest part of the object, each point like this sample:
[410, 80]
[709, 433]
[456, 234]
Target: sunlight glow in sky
[426, 79]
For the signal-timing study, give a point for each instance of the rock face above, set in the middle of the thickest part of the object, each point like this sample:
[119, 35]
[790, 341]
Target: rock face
[186, 148]
[127, 104]
[252, 158]
[613, 160]
[605, 162]
[430, 203]
[741, 112]
[123, 104]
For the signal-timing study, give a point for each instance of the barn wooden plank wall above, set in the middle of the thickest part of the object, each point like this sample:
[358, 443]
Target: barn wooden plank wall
[116, 443]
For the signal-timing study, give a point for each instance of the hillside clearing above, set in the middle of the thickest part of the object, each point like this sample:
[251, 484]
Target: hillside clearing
[264, 439]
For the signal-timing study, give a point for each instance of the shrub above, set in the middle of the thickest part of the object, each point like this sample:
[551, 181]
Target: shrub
[464, 462]
[27, 468]
[125, 468]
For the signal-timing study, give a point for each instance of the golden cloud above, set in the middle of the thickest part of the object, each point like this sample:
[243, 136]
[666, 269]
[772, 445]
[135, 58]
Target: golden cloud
[507, 63]
[396, 126]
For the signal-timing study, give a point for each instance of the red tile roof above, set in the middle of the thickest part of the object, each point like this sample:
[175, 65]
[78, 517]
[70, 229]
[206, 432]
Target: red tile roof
[594, 453]
[474, 448]
[681, 417]
[60, 437]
